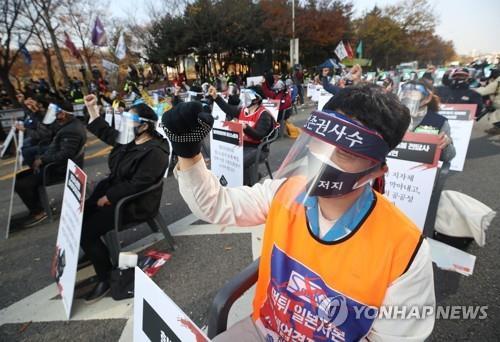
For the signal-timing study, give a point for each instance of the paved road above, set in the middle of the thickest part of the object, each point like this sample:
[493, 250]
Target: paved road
[209, 255]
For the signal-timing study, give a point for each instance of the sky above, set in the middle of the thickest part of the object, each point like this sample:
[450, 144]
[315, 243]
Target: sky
[470, 24]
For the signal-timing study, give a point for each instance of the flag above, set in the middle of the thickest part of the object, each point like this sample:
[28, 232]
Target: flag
[24, 51]
[340, 51]
[359, 49]
[71, 47]
[349, 50]
[121, 48]
[98, 33]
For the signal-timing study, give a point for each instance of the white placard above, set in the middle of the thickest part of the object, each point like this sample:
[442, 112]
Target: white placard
[461, 120]
[450, 258]
[218, 113]
[412, 173]
[65, 261]
[226, 152]
[156, 316]
[324, 97]
[273, 107]
[311, 88]
[316, 93]
[254, 81]
[109, 66]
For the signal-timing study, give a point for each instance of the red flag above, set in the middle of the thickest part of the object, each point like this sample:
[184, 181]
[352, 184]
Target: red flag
[71, 47]
[349, 50]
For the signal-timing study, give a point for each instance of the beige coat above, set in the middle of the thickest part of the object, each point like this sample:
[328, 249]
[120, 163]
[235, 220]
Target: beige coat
[492, 90]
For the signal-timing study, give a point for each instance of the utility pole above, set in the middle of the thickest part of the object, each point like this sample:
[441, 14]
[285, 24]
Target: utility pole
[294, 43]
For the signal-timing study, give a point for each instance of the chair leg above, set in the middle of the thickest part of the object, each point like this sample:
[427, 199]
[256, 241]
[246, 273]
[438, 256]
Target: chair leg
[113, 244]
[158, 223]
[268, 167]
[44, 198]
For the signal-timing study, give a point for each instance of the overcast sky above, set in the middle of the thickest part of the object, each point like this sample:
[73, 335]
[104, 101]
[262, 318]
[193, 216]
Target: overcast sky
[470, 24]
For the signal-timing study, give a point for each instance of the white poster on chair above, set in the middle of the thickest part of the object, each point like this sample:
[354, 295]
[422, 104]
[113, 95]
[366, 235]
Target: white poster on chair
[65, 260]
[156, 316]
[412, 172]
[226, 152]
[461, 120]
[272, 107]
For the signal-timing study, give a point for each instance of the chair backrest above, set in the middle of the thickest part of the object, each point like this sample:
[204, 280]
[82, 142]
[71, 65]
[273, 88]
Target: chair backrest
[123, 203]
[430, 219]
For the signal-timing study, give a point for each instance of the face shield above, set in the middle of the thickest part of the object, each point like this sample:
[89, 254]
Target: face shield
[413, 97]
[129, 125]
[333, 157]
[248, 97]
[51, 115]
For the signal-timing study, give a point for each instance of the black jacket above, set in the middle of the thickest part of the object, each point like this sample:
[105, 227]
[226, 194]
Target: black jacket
[133, 168]
[66, 144]
[460, 95]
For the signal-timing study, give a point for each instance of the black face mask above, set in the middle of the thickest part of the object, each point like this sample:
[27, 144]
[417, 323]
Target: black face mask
[333, 182]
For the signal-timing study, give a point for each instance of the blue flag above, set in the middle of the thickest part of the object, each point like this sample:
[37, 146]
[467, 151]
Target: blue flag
[359, 49]
[98, 33]
[25, 52]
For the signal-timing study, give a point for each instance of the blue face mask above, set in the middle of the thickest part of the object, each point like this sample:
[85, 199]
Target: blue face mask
[332, 181]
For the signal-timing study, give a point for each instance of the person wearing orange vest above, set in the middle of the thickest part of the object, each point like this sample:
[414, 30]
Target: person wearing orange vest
[257, 124]
[335, 253]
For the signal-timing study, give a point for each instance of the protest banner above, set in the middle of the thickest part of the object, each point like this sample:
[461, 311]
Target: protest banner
[226, 152]
[218, 113]
[65, 260]
[461, 120]
[412, 173]
[156, 316]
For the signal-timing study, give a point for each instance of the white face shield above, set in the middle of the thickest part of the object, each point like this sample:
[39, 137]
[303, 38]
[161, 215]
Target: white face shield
[248, 97]
[413, 97]
[51, 114]
[333, 157]
[129, 125]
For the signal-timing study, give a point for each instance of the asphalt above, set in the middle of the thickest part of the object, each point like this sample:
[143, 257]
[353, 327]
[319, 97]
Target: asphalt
[202, 263]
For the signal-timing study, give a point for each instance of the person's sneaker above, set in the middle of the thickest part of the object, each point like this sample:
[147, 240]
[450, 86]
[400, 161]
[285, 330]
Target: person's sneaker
[34, 220]
[493, 130]
[99, 291]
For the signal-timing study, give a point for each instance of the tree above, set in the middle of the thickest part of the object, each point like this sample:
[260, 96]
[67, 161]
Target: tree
[47, 11]
[14, 22]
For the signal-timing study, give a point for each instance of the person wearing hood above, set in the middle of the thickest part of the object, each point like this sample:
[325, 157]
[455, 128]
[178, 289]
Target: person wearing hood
[138, 160]
[424, 107]
[332, 246]
[66, 144]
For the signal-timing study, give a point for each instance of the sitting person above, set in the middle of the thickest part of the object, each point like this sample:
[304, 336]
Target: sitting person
[257, 124]
[66, 144]
[38, 133]
[332, 246]
[278, 91]
[138, 160]
[423, 106]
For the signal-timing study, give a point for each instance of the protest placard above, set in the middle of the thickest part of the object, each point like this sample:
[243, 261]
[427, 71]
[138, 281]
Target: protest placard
[412, 172]
[65, 260]
[226, 152]
[461, 120]
[156, 316]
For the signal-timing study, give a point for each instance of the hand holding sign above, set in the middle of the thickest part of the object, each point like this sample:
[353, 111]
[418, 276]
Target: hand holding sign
[444, 140]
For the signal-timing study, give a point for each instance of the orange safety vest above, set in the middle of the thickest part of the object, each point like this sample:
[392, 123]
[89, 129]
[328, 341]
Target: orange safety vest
[251, 120]
[311, 290]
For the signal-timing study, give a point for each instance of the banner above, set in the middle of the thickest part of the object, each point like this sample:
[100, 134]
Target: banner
[65, 260]
[109, 66]
[412, 172]
[157, 318]
[311, 88]
[226, 152]
[461, 120]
